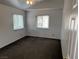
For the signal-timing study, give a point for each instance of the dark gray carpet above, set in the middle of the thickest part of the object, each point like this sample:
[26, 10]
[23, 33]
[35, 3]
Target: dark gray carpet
[32, 48]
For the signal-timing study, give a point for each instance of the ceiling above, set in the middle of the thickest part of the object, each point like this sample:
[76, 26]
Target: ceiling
[37, 4]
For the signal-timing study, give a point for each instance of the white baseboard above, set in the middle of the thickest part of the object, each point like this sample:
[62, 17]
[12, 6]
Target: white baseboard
[66, 57]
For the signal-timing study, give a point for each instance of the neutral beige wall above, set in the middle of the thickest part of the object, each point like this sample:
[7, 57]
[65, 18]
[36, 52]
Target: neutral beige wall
[55, 22]
[7, 34]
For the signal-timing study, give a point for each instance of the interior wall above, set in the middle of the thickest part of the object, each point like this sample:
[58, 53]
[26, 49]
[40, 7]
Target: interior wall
[7, 34]
[67, 12]
[48, 4]
[55, 22]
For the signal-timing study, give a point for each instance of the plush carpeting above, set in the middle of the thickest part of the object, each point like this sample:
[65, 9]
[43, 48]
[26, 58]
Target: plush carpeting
[32, 48]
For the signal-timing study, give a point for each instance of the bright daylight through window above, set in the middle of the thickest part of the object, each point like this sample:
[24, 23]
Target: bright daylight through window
[18, 22]
[43, 22]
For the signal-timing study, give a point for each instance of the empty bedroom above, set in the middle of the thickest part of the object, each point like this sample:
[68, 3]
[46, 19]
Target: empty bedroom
[38, 29]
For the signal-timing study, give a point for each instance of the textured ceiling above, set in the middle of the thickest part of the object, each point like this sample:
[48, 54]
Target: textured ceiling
[21, 4]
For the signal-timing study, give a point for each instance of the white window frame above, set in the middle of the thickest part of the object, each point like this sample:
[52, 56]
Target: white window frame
[19, 26]
[42, 22]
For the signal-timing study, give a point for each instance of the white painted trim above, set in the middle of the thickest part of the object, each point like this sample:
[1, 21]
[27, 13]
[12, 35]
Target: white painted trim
[75, 47]
[68, 57]
[47, 9]
[65, 58]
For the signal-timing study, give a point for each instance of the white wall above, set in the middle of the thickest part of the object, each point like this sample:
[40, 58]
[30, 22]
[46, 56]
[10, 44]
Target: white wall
[67, 12]
[7, 34]
[55, 22]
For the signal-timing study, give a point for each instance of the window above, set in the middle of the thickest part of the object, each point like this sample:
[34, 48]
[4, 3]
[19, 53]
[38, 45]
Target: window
[42, 21]
[18, 22]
